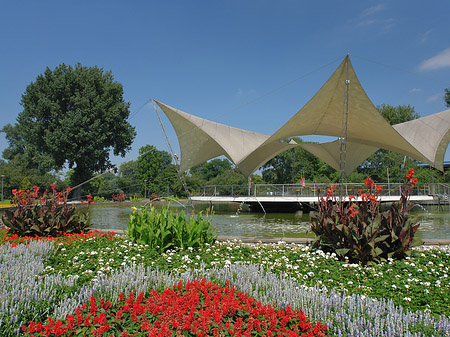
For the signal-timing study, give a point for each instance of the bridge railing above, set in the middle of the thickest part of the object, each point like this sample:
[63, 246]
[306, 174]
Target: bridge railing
[440, 189]
[311, 190]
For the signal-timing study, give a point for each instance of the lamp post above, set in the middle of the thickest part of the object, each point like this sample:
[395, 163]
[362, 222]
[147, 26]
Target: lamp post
[3, 176]
[145, 189]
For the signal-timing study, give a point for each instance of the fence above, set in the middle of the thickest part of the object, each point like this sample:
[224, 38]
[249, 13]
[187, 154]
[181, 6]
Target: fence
[310, 190]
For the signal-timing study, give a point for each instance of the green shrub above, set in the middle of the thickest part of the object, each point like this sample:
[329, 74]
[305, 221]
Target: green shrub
[164, 230]
[359, 232]
[48, 215]
[99, 199]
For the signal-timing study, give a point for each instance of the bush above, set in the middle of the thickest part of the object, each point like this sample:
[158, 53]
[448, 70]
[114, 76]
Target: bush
[155, 197]
[164, 230]
[99, 199]
[48, 215]
[357, 231]
[119, 197]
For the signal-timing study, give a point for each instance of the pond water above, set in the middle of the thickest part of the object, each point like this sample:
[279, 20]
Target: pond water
[434, 222]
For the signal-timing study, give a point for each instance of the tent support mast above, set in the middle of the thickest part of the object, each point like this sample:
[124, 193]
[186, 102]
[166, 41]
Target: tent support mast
[172, 153]
[343, 138]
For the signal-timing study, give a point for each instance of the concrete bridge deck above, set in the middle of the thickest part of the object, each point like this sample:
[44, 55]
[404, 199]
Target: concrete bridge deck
[293, 197]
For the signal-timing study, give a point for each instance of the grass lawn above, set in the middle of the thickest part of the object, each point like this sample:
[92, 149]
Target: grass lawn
[397, 298]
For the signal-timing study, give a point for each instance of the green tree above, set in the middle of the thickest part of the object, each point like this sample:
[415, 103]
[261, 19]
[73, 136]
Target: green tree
[105, 185]
[447, 97]
[211, 169]
[17, 176]
[397, 114]
[229, 177]
[194, 183]
[74, 116]
[154, 166]
[128, 180]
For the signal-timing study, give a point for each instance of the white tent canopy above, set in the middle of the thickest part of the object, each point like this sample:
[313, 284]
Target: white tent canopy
[430, 135]
[323, 114]
[424, 139]
[201, 139]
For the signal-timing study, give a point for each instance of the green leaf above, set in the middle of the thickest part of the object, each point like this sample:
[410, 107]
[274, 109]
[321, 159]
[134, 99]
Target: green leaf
[342, 251]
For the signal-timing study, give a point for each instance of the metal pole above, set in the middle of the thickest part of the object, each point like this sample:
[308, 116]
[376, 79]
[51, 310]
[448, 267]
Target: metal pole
[389, 186]
[343, 138]
[2, 186]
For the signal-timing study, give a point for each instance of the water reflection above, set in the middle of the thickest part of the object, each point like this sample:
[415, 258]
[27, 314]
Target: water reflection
[434, 222]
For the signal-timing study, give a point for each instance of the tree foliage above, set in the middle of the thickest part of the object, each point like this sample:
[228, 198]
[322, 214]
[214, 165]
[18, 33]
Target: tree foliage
[128, 180]
[447, 97]
[74, 116]
[17, 176]
[211, 169]
[155, 167]
[397, 114]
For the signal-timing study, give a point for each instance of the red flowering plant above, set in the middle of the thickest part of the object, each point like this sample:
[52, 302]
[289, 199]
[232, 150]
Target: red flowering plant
[68, 239]
[119, 197]
[354, 228]
[195, 309]
[48, 214]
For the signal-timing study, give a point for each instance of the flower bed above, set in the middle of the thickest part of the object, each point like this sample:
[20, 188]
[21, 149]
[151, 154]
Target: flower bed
[338, 294]
[197, 308]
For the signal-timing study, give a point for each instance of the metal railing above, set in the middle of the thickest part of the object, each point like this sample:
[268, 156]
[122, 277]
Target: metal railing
[311, 190]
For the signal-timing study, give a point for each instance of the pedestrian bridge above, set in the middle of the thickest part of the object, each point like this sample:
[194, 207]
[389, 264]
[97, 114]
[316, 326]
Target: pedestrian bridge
[294, 197]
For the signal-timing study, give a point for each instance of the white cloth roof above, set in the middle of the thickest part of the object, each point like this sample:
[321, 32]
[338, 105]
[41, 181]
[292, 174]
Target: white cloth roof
[430, 135]
[201, 139]
[262, 155]
[322, 115]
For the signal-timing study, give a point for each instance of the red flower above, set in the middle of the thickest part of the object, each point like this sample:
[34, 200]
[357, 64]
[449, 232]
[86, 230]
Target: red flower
[197, 308]
[369, 182]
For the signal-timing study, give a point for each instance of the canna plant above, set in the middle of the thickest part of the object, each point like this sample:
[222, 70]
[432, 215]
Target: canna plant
[46, 215]
[356, 229]
[163, 230]
[119, 197]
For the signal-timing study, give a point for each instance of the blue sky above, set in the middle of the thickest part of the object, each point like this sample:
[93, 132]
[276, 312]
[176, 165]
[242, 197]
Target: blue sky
[210, 58]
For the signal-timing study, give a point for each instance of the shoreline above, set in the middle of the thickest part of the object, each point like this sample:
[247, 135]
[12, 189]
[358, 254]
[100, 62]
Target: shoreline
[303, 241]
